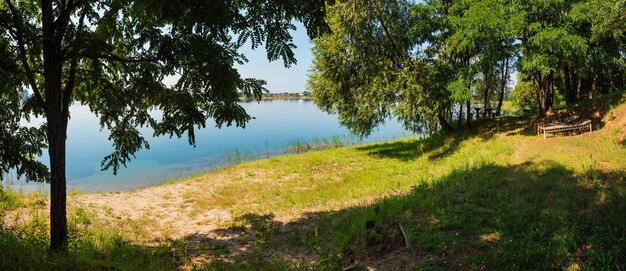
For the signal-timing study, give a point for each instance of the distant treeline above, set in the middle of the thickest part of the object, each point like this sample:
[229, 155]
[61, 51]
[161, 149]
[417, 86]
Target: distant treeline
[306, 95]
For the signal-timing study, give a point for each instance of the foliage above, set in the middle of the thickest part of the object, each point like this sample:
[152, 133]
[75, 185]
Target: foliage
[113, 56]
[365, 69]
[416, 61]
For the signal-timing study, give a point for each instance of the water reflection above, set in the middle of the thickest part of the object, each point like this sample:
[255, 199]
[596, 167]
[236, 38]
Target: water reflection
[276, 125]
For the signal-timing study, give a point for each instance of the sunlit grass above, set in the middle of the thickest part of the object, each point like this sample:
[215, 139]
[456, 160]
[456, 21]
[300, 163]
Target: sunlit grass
[497, 197]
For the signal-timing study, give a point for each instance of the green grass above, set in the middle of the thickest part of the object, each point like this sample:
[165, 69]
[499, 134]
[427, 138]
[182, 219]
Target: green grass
[479, 202]
[494, 198]
[25, 248]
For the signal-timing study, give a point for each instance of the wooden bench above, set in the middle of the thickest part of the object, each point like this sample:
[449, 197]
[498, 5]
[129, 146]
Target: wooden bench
[565, 128]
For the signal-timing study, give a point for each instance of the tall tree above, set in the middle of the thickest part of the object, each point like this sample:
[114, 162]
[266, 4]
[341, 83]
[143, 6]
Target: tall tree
[483, 32]
[601, 24]
[112, 55]
[548, 44]
[368, 68]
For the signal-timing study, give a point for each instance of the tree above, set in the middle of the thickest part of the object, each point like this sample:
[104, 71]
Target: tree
[602, 25]
[483, 39]
[548, 43]
[368, 69]
[112, 55]
[416, 61]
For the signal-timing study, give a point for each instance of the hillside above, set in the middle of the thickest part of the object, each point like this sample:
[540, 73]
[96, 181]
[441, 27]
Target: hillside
[498, 197]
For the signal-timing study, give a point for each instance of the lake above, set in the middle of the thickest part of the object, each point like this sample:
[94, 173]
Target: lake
[277, 124]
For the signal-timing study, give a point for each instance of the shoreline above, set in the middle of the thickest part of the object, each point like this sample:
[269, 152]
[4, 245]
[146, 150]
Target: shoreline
[297, 209]
[280, 98]
[229, 159]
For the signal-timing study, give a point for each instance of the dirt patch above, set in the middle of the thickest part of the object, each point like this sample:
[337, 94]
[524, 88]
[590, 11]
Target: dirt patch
[490, 237]
[162, 212]
[608, 113]
[616, 123]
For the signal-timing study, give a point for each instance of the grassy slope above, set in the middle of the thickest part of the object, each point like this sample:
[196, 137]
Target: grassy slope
[496, 198]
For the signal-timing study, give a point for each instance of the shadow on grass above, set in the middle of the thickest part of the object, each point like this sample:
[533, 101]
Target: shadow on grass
[440, 146]
[531, 216]
[524, 217]
[436, 147]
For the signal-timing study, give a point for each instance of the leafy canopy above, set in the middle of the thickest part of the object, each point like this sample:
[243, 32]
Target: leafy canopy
[369, 68]
[113, 56]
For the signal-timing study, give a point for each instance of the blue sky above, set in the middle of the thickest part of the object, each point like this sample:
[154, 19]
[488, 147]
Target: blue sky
[279, 78]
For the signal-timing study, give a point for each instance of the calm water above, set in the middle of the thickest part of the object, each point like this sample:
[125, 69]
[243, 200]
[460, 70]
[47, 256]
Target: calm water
[276, 125]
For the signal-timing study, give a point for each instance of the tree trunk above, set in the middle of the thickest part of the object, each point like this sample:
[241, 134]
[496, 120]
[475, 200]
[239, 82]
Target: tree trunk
[56, 115]
[579, 87]
[611, 83]
[469, 115]
[56, 150]
[594, 83]
[551, 91]
[486, 98]
[568, 86]
[545, 93]
[505, 76]
[460, 120]
[538, 94]
[447, 128]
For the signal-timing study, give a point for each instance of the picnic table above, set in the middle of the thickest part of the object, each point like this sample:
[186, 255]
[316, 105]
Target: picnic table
[477, 109]
[488, 112]
[564, 127]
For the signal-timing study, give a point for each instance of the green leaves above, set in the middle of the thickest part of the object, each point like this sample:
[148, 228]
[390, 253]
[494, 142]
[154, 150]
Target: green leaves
[419, 59]
[113, 56]
[19, 146]
[366, 69]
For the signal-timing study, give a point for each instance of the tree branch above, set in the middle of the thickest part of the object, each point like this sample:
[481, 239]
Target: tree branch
[390, 37]
[66, 12]
[9, 28]
[63, 20]
[69, 87]
[115, 57]
[22, 48]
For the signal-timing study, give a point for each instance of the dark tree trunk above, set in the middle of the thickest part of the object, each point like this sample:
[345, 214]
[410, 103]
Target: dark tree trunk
[579, 87]
[486, 97]
[550, 92]
[568, 85]
[505, 76]
[56, 115]
[460, 117]
[594, 83]
[469, 115]
[611, 83]
[56, 150]
[538, 86]
[447, 128]
[545, 92]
